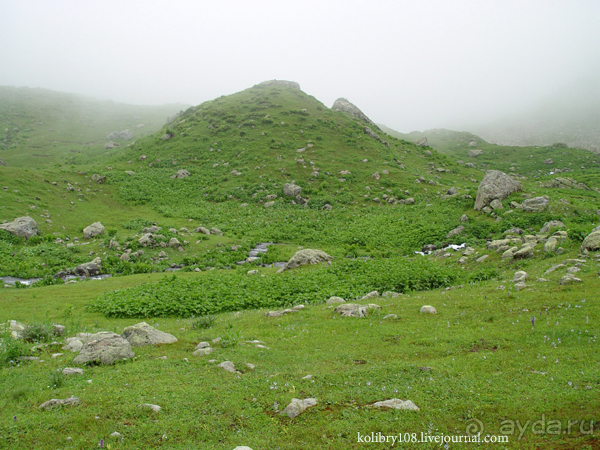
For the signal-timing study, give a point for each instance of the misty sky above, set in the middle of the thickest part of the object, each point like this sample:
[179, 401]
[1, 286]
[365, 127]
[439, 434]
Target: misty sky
[411, 65]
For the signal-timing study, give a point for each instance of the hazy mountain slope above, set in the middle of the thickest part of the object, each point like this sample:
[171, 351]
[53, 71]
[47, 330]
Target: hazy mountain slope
[39, 127]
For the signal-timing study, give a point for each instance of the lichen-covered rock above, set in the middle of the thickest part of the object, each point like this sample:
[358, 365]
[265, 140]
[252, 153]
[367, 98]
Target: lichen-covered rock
[89, 269]
[104, 347]
[495, 185]
[55, 402]
[297, 406]
[343, 105]
[291, 190]
[355, 310]
[144, 334]
[396, 403]
[592, 241]
[95, 229]
[182, 173]
[552, 224]
[536, 204]
[24, 227]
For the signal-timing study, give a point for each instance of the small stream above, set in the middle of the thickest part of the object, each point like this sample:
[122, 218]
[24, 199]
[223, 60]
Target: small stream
[30, 281]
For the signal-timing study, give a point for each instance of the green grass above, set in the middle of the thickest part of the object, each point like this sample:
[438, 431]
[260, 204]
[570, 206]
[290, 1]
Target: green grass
[479, 359]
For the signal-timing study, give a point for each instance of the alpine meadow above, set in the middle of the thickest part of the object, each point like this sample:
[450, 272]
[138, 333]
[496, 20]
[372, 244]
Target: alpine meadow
[264, 271]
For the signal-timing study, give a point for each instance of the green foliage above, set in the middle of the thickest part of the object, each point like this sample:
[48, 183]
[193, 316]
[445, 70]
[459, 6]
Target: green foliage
[6, 237]
[225, 291]
[199, 323]
[484, 274]
[38, 332]
[48, 280]
[136, 224]
[10, 348]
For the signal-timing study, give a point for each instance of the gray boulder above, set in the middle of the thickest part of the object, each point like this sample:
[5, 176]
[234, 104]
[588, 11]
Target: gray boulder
[291, 190]
[343, 105]
[55, 402]
[182, 173]
[475, 153]
[524, 252]
[24, 227]
[174, 242]
[591, 242]
[146, 240]
[95, 229]
[297, 406]
[143, 334]
[396, 403]
[550, 245]
[428, 309]
[422, 142]
[304, 257]
[104, 347]
[455, 232]
[100, 179]
[89, 269]
[495, 185]
[552, 224]
[202, 230]
[355, 310]
[109, 145]
[536, 204]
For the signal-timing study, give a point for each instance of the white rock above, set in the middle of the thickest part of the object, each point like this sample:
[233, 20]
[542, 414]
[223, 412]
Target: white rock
[428, 309]
[395, 403]
[298, 406]
[154, 408]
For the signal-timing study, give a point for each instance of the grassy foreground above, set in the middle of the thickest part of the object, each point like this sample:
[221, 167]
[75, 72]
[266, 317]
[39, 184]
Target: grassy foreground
[479, 361]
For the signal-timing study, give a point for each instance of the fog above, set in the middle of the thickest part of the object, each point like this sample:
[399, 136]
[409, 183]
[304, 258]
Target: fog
[410, 65]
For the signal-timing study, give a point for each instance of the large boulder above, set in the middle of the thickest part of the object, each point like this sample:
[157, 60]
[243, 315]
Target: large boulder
[143, 334]
[89, 269]
[592, 241]
[104, 347]
[536, 204]
[495, 185]
[343, 105]
[291, 190]
[95, 229]
[306, 256]
[24, 227]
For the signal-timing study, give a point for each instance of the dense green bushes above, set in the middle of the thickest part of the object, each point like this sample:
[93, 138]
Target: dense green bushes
[217, 292]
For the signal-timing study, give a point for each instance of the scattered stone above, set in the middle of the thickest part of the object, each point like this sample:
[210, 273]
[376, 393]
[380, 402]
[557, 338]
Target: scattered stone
[520, 276]
[496, 204]
[203, 351]
[73, 344]
[475, 153]
[104, 347]
[115, 434]
[182, 173]
[428, 309]
[334, 300]
[482, 258]
[390, 294]
[24, 227]
[95, 229]
[297, 406]
[569, 279]
[72, 371]
[144, 334]
[109, 145]
[390, 316]
[355, 310]
[455, 232]
[495, 185]
[370, 295]
[464, 218]
[174, 243]
[550, 245]
[519, 286]
[228, 366]
[279, 313]
[304, 257]
[552, 224]
[536, 204]
[55, 402]
[524, 252]
[153, 408]
[291, 190]
[100, 179]
[395, 403]
[89, 269]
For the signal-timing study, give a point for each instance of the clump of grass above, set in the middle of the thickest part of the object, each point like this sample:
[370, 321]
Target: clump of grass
[38, 332]
[56, 379]
[10, 349]
[203, 322]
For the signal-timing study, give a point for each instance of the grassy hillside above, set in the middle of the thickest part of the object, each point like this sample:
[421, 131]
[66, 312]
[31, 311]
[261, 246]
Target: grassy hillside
[493, 354]
[39, 127]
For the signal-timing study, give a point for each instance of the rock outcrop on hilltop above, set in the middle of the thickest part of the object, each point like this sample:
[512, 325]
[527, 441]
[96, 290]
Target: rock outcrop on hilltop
[282, 83]
[343, 105]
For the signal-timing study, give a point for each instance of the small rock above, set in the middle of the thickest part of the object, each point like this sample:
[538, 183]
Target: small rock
[297, 406]
[59, 402]
[395, 403]
[334, 300]
[72, 371]
[228, 366]
[154, 408]
[390, 316]
[428, 309]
